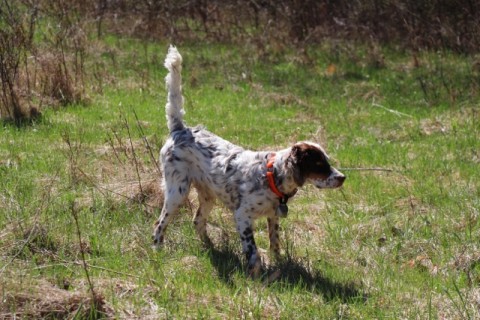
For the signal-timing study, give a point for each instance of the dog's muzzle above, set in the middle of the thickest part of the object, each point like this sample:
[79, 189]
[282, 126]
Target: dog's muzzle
[334, 180]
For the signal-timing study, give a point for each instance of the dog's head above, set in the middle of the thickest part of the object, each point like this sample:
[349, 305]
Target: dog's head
[310, 164]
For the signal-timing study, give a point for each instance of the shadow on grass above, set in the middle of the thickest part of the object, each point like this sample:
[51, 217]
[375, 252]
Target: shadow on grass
[289, 274]
[292, 273]
[227, 263]
[23, 122]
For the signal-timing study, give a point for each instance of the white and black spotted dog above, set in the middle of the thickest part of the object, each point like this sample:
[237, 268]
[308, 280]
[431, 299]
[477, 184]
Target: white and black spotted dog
[251, 184]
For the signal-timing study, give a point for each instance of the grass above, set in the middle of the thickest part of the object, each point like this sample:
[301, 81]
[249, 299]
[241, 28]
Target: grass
[390, 244]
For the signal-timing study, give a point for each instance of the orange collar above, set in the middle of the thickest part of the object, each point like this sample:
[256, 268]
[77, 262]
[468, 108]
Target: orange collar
[271, 179]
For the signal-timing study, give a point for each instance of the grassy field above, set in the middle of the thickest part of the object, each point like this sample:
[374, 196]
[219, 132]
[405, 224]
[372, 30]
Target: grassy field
[401, 239]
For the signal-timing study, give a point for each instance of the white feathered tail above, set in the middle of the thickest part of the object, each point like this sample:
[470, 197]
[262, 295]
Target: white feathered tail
[174, 107]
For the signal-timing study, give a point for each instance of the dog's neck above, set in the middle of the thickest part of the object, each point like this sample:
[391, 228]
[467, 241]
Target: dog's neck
[284, 177]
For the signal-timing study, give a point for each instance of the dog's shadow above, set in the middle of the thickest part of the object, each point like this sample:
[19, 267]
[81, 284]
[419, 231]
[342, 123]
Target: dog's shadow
[226, 261]
[292, 272]
[288, 274]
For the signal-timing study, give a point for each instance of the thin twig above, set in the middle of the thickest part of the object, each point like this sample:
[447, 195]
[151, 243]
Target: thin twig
[119, 141]
[149, 148]
[369, 169]
[134, 155]
[395, 112]
[112, 145]
[101, 189]
[82, 250]
[44, 204]
[110, 270]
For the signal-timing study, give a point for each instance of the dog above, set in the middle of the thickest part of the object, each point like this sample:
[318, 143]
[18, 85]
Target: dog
[251, 184]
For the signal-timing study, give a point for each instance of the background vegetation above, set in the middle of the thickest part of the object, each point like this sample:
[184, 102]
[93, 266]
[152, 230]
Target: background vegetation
[390, 88]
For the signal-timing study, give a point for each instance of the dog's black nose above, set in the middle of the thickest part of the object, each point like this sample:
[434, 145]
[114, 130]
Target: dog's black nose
[341, 178]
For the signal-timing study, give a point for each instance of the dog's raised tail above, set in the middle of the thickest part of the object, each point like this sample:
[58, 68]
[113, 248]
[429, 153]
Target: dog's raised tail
[174, 107]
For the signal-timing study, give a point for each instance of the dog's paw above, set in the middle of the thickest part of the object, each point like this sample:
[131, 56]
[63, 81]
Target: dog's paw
[157, 242]
[254, 269]
[206, 242]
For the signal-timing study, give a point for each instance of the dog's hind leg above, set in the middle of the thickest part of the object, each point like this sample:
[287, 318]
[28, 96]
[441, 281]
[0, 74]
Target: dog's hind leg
[175, 196]
[206, 201]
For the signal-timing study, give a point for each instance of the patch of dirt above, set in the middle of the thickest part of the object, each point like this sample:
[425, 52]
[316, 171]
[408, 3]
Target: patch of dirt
[433, 126]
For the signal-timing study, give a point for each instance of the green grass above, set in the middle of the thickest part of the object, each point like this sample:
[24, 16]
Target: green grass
[390, 244]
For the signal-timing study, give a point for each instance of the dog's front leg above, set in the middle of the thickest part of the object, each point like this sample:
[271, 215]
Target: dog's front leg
[273, 228]
[245, 229]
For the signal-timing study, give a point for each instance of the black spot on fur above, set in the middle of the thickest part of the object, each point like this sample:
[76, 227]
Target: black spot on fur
[183, 137]
[212, 148]
[207, 153]
[249, 255]
[230, 159]
[247, 231]
[279, 180]
[256, 186]
[236, 200]
[175, 173]
[251, 249]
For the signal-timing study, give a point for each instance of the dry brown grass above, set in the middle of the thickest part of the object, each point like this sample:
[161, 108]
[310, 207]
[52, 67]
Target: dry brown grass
[123, 171]
[40, 299]
[28, 298]
[57, 81]
[36, 75]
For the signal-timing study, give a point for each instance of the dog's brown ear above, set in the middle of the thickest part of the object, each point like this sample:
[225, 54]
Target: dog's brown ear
[295, 158]
[308, 161]
[297, 153]
[293, 154]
